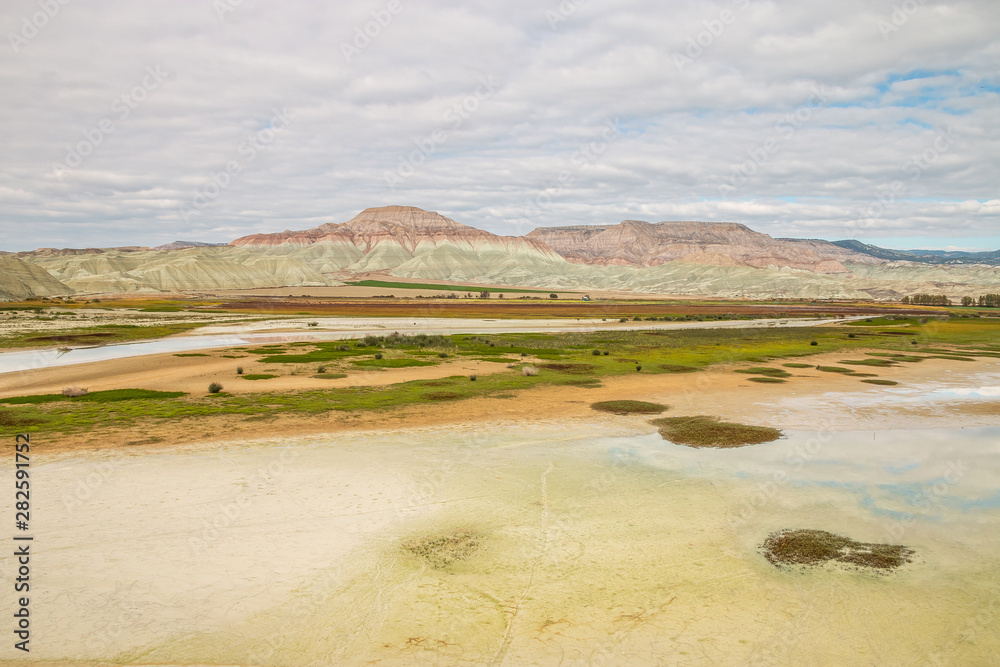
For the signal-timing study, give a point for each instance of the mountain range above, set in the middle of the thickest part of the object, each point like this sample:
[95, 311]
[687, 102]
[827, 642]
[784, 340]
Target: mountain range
[699, 258]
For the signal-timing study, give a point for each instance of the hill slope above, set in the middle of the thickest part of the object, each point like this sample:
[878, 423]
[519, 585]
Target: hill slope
[697, 258]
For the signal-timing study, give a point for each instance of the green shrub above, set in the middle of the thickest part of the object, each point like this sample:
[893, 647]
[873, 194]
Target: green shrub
[214, 388]
[624, 407]
[702, 431]
[239, 370]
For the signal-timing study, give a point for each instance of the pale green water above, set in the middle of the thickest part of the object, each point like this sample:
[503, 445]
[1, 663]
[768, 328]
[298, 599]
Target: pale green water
[590, 548]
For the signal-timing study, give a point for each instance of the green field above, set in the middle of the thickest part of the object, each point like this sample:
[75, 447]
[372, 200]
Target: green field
[447, 288]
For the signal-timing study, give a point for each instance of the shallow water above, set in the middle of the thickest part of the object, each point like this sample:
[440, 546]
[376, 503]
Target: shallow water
[591, 547]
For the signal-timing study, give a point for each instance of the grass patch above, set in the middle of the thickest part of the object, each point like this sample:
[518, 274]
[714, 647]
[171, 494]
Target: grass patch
[677, 368]
[442, 396]
[329, 376]
[109, 396]
[815, 547]
[21, 418]
[96, 335]
[440, 551]
[884, 383]
[765, 370]
[951, 357]
[883, 321]
[767, 380]
[797, 365]
[835, 369]
[443, 288]
[625, 407]
[880, 363]
[897, 357]
[191, 354]
[391, 363]
[570, 369]
[700, 431]
[258, 376]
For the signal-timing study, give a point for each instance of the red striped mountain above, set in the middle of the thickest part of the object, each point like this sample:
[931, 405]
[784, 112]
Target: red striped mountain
[411, 228]
[637, 243]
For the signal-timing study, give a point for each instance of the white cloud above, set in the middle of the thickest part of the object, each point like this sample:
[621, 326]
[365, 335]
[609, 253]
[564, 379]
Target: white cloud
[686, 129]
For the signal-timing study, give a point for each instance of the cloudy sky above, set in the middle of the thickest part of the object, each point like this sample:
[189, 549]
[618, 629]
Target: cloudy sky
[139, 123]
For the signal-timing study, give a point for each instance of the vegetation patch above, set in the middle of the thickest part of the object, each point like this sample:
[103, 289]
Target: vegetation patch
[441, 551]
[329, 376]
[765, 370]
[885, 383]
[898, 357]
[835, 369]
[191, 354]
[587, 383]
[701, 431]
[258, 376]
[442, 396]
[444, 288]
[816, 547]
[21, 418]
[951, 357]
[797, 365]
[625, 407]
[391, 363]
[95, 397]
[571, 369]
[767, 380]
[677, 368]
[880, 363]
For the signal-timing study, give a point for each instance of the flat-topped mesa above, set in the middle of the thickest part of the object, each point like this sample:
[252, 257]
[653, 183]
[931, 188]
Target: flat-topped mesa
[407, 226]
[638, 243]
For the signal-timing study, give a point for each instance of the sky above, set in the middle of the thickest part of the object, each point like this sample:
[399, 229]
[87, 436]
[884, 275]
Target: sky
[141, 123]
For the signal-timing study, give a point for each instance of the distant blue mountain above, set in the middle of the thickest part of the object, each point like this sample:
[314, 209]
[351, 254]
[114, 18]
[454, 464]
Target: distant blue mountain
[924, 256]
